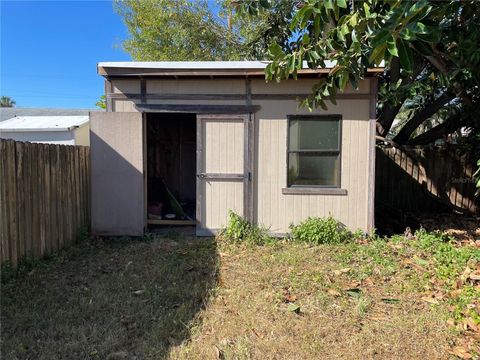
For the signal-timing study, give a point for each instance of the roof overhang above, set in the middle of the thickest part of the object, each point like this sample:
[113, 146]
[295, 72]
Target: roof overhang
[210, 69]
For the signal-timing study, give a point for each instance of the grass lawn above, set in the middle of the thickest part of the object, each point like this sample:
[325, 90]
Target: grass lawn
[182, 298]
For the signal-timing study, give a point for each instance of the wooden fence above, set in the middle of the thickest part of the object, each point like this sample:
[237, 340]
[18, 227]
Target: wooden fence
[44, 198]
[424, 180]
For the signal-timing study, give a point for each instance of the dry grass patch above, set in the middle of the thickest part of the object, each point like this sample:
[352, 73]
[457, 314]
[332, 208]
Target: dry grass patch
[108, 299]
[293, 301]
[414, 298]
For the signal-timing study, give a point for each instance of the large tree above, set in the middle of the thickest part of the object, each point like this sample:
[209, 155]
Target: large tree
[430, 50]
[7, 101]
[201, 29]
[176, 30]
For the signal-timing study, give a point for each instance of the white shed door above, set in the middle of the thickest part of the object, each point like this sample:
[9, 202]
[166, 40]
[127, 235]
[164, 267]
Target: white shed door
[117, 179]
[223, 170]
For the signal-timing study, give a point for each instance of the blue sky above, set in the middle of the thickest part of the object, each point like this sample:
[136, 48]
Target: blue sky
[49, 51]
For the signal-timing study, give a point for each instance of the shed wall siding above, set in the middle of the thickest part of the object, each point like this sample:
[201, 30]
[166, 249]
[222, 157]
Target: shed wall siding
[124, 106]
[198, 102]
[82, 135]
[222, 196]
[117, 182]
[126, 86]
[223, 150]
[276, 210]
[206, 86]
[271, 207]
[303, 86]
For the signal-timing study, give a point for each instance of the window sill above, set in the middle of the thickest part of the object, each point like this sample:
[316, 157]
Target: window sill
[313, 191]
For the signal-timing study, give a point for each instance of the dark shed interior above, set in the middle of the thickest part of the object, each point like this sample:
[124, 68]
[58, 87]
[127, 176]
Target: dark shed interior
[171, 168]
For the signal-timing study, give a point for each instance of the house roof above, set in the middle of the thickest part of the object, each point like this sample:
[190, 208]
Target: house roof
[10, 112]
[201, 68]
[42, 123]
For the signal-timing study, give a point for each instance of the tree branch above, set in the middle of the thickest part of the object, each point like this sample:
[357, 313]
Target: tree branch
[390, 111]
[421, 115]
[440, 64]
[447, 127]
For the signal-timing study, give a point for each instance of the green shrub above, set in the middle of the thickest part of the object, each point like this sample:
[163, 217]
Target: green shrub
[317, 230]
[239, 230]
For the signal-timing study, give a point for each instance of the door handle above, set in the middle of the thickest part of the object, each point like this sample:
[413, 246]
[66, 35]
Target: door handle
[201, 176]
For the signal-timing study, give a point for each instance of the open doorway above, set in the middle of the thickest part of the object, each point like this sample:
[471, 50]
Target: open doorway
[171, 169]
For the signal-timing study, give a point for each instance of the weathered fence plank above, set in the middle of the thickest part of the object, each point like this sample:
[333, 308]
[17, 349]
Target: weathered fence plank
[12, 202]
[424, 180]
[3, 207]
[44, 198]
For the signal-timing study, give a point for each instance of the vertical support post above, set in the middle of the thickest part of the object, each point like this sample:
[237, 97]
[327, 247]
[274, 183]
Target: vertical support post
[145, 172]
[143, 90]
[199, 181]
[371, 154]
[249, 155]
[248, 166]
[108, 92]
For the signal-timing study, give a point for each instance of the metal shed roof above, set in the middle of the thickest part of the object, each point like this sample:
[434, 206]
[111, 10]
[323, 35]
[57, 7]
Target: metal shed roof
[10, 112]
[42, 123]
[200, 68]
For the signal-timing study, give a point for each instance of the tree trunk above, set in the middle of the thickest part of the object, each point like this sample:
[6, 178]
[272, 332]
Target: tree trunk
[420, 116]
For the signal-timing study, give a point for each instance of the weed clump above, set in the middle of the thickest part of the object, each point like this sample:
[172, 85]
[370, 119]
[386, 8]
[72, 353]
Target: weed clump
[238, 230]
[317, 230]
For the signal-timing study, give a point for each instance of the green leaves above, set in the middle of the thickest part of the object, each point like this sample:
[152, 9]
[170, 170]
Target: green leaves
[275, 51]
[320, 231]
[422, 47]
[293, 308]
[404, 35]
[302, 17]
[417, 28]
[175, 30]
[381, 37]
[378, 54]
[392, 47]
[342, 4]
[405, 55]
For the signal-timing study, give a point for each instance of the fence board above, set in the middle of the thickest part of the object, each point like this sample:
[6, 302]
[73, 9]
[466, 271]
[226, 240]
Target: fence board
[44, 198]
[3, 206]
[12, 202]
[28, 199]
[424, 180]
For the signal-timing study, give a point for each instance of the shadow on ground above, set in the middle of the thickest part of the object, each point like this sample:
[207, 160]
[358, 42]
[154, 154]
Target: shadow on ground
[109, 299]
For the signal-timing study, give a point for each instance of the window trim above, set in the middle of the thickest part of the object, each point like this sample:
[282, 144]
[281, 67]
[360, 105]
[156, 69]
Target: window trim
[320, 189]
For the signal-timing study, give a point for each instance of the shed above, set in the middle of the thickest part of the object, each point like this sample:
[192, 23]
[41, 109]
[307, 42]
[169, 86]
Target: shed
[64, 130]
[185, 142]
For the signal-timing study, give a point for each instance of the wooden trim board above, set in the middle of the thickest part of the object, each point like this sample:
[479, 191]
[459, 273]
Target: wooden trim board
[198, 109]
[170, 222]
[313, 191]
[248, 97]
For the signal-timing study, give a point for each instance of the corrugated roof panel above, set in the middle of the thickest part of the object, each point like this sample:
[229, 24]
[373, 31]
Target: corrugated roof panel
[8, 113]
[42, 123]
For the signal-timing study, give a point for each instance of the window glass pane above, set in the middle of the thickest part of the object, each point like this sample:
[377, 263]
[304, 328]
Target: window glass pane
[313, 169]
[313, 134]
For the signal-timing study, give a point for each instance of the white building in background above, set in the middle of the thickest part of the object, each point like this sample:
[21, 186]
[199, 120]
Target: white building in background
[62, 130]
